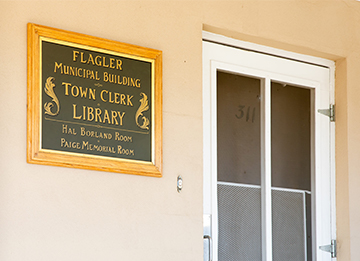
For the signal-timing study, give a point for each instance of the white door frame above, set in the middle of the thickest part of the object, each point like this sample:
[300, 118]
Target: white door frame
[215, 62]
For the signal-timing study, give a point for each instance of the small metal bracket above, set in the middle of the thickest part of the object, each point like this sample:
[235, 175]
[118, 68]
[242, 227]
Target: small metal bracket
[179, 184]
[330, 248]
[329, 112]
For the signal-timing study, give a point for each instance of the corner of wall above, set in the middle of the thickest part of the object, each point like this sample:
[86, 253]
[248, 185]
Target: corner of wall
[342, 171]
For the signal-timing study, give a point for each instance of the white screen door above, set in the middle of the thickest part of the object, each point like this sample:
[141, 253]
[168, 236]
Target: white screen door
[268, 174]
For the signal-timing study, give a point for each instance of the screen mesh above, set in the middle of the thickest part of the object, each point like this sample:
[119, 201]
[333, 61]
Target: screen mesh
[288, 226]
[239, 223]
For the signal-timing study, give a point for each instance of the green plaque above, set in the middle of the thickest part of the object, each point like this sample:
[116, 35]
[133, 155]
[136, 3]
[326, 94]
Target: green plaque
[98, 103]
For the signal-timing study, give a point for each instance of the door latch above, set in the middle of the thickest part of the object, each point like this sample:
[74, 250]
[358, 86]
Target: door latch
[207, 236]
[330, 248]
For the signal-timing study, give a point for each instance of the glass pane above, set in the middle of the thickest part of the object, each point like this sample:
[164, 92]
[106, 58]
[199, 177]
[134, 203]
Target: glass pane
[291, 172]
[239, 166]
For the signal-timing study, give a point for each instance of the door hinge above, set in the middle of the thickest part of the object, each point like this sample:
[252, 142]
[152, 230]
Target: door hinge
[329, 112]
[330, 248]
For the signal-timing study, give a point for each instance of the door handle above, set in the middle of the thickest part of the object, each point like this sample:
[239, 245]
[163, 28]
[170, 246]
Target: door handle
[210, 245]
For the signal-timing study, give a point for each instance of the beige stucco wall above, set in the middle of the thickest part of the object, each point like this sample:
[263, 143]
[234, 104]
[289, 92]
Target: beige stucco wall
[53, 213]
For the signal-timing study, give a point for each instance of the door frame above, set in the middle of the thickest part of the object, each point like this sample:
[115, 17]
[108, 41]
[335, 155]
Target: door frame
[209, 110]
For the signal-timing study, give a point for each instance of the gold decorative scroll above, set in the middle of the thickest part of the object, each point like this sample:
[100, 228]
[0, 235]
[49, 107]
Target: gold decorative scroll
[144, 106]
[49, 90]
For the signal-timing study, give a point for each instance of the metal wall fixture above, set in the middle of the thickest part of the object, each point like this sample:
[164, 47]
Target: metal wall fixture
[330, 248]
[179, 183]
[329, 112]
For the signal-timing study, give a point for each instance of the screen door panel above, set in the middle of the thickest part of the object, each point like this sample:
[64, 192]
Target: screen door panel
[288, 223]
[291, 172]
[239, 168]
[238, 123]
[290, 137]
[239, 222]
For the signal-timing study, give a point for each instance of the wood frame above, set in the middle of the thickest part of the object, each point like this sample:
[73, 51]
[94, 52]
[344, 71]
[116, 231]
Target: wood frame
[37, 155]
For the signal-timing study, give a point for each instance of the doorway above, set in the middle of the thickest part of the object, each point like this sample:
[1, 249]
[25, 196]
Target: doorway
[268, 174]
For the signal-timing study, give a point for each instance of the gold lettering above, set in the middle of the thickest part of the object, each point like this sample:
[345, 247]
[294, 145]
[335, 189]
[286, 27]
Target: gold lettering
[82, 58]
[118, 64]
[83, 93]
[121, 117]
[71, 131]
[92, 94]
[64, 128]
[97, 114]
[101, 95]
[98, 60]
[82, 131]
[113, 117]
[117, 95]
[66, 69]
[122, 97]
[76, 93]
[129, 100]
[132, 82]
[125, 151]
[91, 59]
[106, 116]
[122, 137]
[106, 78]
[57, 66]
[84, 112]
[66, 87]
[85, 144]
[75, 54]
[112, 60]
[90, 114]
[94, 114]
[62, 142]
[67, 130]
[72, 71]
[92, 76]
[74, 113]
[111, 78]
[105, 65]
[119, 79]
[111, 101]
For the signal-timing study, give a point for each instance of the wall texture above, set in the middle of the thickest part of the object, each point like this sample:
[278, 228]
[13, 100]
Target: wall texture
[53, 213]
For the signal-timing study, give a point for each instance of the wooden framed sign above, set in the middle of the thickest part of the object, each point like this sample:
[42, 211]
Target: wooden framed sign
[93, 103]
